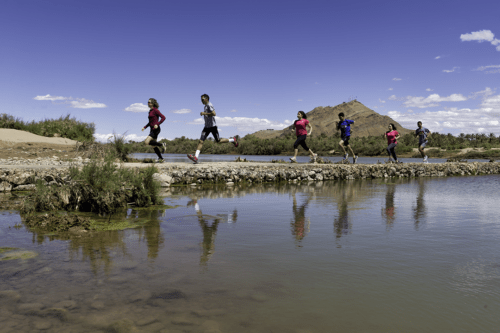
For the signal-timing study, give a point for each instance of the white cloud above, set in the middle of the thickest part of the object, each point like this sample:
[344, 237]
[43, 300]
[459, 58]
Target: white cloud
[390, 89]
[182, 111]
[396, 79]
[82, 103]
[137, 107]
[299, 100]
[245, 124]
[50, 98]
[431, 100]
[393, 98]
[481, 36]
[381, 101]
[234, 110]
[438, 57]
[494, 69]
[450, 70]
[483, 93]
[77, 103]
[128, 137]
[428, 89]
[483, 119]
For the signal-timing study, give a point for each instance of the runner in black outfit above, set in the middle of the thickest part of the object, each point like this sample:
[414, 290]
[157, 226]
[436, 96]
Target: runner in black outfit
[154, 125]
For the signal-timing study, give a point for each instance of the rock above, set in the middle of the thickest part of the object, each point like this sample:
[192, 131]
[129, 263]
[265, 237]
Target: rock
[31, 308]
[5, 186]
[97, 305]
[19, 254]
[43, 325]
[68, 304]
[9, 296]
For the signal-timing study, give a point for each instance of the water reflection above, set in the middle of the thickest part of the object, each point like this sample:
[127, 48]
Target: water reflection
[208, 224]
[419, 210]
[344, 195]
[300, 223]
[388, 212]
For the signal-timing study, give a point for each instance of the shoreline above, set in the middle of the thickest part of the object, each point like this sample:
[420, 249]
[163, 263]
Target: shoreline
[24, 177]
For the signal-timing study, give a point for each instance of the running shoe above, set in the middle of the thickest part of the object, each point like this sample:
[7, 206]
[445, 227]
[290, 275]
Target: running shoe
[346, 156]
[354, 159]
[235, 143]
[315, 156]
[293, 160]
[193, 158]
[163, 147]
[425, 158]
[161, 160]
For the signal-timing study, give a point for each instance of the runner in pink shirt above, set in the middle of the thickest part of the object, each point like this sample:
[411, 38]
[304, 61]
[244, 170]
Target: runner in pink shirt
[301, 125]
[392, 135]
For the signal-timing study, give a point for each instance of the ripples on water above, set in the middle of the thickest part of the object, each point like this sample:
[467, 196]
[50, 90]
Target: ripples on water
[417, 255]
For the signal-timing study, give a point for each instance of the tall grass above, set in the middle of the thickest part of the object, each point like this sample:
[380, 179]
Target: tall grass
[100, 187]
[65, 127]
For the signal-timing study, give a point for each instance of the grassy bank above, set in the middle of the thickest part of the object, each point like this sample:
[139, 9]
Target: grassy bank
[65, 127]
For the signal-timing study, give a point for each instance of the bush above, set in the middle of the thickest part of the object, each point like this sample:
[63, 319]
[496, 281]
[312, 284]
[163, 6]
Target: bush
[100, 187]
[64, 127]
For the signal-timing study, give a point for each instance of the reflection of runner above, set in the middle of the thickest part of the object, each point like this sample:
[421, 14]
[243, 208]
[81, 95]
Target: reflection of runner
[300, 226]
[419, 209]
[344, 125]
[389, 210]
[301, 125]
[154, 124]
[422, 134]
[152, 231]
[392, 135]
[210, 127]
[341, 224]
[209, 231]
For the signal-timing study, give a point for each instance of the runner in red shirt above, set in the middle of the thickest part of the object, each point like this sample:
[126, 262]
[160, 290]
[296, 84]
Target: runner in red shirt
[301, 125]
[392, 135]
[155, 129]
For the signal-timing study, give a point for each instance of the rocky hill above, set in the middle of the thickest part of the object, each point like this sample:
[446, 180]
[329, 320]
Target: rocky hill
[324, 118]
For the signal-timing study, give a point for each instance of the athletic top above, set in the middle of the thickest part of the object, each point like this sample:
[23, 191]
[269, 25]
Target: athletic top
[391, 136]
[422, 134]
[153, 116]
[300, 127]
[345, 127]
[209, 120]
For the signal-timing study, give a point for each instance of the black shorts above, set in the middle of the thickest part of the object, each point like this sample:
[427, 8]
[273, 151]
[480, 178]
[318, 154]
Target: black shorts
[154, 133]
[206, 132]
[346, 140]
[301, 140]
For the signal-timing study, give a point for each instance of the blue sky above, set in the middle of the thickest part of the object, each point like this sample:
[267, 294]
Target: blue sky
[260, 62]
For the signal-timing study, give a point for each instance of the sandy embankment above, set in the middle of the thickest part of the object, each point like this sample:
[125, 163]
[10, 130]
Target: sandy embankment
[16, 143]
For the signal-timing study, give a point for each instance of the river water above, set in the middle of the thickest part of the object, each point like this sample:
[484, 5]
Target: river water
[412, 255]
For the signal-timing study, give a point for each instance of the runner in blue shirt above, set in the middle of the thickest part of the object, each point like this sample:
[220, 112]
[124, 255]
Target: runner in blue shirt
[344, 125]
[422, 133]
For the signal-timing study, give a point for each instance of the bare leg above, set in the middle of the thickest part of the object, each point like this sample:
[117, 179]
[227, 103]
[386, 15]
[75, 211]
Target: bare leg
[352, 152]
[200, 144]
[341, 143]
[311, 153]
[296, 152]
[223, 140]
[421, 149]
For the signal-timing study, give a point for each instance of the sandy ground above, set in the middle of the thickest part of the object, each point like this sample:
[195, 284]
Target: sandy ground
[15, 143]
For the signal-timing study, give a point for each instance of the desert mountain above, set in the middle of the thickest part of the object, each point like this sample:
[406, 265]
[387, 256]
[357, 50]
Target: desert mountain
[323, 119]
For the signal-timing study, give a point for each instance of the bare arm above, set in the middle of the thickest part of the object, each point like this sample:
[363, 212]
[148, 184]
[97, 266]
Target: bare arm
[308, 126]
[211, 113]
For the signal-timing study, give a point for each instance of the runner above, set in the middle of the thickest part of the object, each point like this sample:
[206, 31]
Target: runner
[422, 134]
[154, 124]
[392, 135]
[344, 125]
[210, 127]
[301, 127]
